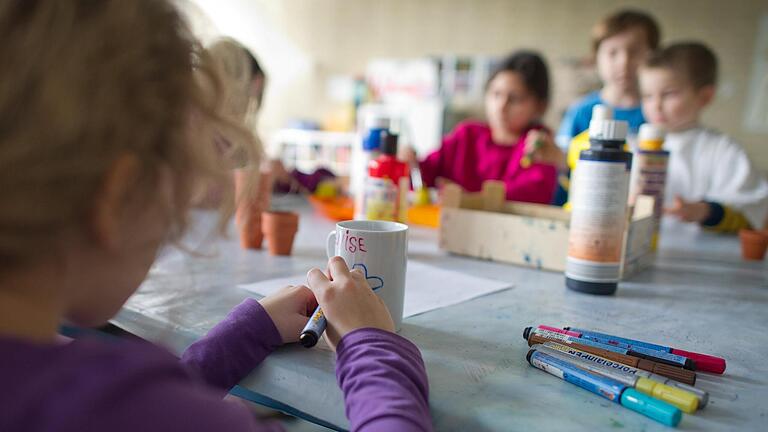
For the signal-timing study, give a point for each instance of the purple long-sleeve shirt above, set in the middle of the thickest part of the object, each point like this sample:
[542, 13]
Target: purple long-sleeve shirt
[469, 156]
[124, 385]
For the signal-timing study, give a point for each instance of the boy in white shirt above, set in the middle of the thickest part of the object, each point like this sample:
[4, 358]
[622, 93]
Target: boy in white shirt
[711, 180]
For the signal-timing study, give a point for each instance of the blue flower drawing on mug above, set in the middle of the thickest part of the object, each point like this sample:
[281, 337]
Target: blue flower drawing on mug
[375, 282]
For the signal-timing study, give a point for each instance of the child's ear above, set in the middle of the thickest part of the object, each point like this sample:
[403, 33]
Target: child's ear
[706, 94]
[109, 204]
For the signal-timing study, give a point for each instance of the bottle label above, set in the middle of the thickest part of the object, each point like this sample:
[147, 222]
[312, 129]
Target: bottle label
[651, 179]
[382, 199]
[598, 220]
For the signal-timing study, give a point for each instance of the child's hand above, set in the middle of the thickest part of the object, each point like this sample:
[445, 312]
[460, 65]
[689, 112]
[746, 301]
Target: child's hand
[541, 148]
[688, 211]
[290, 309]
[347, 301]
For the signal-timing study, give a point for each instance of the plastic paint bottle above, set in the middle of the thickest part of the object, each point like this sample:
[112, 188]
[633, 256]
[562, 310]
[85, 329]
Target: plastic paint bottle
[581, 142]
[362, 155]
[386, 189]
[650, 173]
[599, 192]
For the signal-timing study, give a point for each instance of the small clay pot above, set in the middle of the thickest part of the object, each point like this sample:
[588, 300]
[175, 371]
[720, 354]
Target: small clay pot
[753, 244]
[251, 236]
[250, 204]
[279, 228]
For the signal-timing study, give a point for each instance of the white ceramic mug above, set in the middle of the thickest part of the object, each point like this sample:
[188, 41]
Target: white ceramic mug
[379, 249]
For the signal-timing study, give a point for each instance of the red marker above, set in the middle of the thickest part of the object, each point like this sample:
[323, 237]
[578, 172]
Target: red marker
[703, 362]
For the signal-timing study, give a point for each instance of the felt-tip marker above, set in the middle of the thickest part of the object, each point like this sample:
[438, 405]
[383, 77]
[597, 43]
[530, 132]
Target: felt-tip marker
[315, 327]
[703, 362]
[608, 388]
[610, 352]
[701, 395]
[684, 400]
[635, 351]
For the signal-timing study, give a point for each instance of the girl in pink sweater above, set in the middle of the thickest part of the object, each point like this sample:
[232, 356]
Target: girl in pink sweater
[513, 146]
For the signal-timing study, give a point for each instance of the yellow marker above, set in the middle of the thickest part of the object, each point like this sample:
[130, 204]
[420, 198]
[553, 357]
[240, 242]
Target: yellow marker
[686, 401]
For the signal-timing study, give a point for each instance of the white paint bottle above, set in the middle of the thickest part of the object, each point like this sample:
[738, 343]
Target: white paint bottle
[599, 190]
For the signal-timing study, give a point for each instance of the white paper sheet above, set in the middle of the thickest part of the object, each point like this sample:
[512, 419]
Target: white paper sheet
[426, 287]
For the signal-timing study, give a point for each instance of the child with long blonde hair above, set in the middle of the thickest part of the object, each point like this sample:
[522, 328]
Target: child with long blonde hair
[108, 118]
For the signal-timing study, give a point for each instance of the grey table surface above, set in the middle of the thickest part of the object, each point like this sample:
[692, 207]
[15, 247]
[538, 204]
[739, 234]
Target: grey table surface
[698, 296]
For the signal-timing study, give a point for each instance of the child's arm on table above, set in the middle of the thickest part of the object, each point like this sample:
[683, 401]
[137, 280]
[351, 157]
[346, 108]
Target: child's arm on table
[711, 215]
[250, 332]
[381, 374]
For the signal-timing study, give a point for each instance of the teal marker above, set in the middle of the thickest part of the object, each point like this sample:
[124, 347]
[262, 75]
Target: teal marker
[701, 395]
[606, 387]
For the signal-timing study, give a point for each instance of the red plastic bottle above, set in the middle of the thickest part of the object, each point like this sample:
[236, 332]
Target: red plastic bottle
[387, 187]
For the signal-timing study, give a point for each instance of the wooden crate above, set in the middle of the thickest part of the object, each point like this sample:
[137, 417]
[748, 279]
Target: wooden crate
[484, 225]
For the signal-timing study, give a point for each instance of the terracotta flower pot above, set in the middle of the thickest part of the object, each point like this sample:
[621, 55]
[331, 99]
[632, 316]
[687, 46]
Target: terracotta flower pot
[753, 244]
[279, 229]
[251, 202]
[251, 236]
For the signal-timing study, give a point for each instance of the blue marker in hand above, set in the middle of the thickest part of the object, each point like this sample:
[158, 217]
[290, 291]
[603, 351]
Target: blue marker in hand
[315, 327]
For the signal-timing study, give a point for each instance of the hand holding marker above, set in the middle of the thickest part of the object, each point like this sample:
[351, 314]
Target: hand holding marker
[348, 302]
[534, 142]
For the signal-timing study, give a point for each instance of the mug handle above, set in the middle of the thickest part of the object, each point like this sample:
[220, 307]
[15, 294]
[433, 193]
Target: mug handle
[331, 244]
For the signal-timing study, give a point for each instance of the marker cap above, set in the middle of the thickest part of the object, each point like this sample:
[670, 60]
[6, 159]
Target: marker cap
[650, 137]
[703, 362]
[308, 339]
[682, 399]
[559, 330]
[660, 411]
[602, 112]
[609, 130]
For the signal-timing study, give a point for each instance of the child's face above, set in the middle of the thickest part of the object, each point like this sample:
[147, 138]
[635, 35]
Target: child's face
[619, 56]
[670, 100]
[509, 105]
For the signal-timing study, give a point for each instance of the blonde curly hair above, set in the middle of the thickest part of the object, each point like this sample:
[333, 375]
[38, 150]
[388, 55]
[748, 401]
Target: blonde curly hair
[83, 82]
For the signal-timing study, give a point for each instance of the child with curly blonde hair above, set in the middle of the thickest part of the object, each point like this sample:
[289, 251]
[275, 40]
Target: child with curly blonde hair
[108, 118]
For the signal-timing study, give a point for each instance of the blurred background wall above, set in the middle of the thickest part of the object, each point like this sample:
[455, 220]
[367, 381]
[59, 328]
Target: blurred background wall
[304, 43]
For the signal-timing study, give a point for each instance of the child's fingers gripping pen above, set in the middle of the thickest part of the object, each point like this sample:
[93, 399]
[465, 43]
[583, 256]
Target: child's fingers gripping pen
[538, 143]
[315, 327]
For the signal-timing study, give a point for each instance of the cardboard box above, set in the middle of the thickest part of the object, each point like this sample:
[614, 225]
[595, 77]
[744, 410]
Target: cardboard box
[484, 225]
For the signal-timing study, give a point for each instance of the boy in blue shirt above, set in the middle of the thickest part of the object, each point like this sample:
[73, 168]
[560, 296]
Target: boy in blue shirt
[620, 43]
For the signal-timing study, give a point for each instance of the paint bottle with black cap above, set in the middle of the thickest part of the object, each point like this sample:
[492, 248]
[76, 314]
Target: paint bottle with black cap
[599, 191]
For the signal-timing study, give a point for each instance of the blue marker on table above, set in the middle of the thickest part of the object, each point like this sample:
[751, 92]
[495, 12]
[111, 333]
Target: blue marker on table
[315, 327]
[652, 354]
[640, 352]
[608, 388]
[703, 362]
